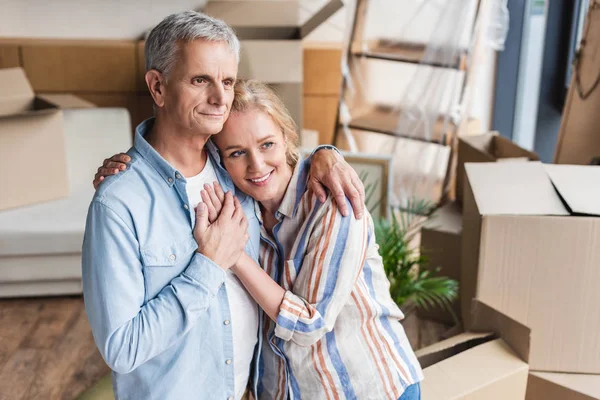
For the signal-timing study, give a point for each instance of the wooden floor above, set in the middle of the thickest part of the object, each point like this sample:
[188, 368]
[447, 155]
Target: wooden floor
[46, 349]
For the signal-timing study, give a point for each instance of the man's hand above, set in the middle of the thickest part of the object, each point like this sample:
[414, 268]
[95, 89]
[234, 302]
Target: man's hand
[224, 240]
[328, 168]
[213, 199]
[111, 166]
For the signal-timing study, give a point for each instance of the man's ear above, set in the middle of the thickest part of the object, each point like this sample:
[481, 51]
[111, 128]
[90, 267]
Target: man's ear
[156, 85]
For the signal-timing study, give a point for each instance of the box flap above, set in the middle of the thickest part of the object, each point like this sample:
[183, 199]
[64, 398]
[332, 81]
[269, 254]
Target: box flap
[513, 189]
[487, 319]
[445, 219]
[321, 16]
[488, 371]
[14, 84]
[450, 347]
[504, 149]
[588, 385]
[271, 20]
[16, 94]
[66, 101]
[578, 185]
[481, 142]
[34, 107]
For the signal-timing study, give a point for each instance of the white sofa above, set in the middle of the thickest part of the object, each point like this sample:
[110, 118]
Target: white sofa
[40, 245]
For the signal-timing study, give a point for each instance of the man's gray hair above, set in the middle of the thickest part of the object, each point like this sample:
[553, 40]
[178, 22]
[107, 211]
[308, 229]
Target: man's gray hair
[162, 43]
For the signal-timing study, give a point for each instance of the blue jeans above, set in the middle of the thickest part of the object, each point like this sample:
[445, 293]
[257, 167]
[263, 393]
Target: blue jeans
[413, 392]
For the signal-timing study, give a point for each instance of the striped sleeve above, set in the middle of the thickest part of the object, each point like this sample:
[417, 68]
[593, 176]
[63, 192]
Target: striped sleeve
[334, 255]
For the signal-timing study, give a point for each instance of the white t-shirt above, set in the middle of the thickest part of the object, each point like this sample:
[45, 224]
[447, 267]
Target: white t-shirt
[244, 317]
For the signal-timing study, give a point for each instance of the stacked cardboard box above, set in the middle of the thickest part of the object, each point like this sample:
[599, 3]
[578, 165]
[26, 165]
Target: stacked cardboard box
[531, 250]
[472, 366]
[271, 36]
[530, 268]
[322, 82]
[104, 72]
[529, 273]
[110, 73]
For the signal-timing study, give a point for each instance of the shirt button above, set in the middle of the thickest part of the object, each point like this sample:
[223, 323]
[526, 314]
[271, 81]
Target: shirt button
[186, 207]
[227, 362]
[172, 257]
[170, 180]
[226, 322]
[230, 398]
[177, 176]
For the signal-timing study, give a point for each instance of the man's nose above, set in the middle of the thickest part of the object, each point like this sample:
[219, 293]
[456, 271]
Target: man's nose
[217, 96]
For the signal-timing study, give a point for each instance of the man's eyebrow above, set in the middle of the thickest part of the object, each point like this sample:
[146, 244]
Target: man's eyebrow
[212, 79]
[203, 76]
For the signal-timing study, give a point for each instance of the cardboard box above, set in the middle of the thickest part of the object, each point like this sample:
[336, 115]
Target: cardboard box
[33, 160]
[531, 251]
[271, 36]
[578, 139]
[269, 28]
[550, 386]
[472, 366]
[80, 65]
[319, 114]
[322, 69]
[487, 147]
[440, 243]
[9, 56]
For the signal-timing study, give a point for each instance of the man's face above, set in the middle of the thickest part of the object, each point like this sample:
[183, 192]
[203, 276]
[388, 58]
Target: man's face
[199, 88]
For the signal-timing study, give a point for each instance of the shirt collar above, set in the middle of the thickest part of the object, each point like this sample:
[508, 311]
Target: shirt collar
[166, 171]
[295, 190]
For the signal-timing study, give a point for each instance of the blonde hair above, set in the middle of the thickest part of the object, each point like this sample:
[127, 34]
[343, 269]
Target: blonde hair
[254, 95]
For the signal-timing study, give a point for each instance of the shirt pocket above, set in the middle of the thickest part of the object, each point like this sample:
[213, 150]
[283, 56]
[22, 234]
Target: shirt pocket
[162, 263]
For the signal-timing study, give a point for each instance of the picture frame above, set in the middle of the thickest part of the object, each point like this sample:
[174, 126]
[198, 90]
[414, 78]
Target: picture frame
[375, 172]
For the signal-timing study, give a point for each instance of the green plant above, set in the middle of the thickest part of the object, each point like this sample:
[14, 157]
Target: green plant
[406, 266]
[372, 203]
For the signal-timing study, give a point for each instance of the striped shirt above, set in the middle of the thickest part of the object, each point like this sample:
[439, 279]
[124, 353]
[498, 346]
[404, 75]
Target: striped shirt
[337, 335]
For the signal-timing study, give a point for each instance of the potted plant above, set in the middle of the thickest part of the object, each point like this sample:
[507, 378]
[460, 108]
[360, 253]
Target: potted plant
[412, 283]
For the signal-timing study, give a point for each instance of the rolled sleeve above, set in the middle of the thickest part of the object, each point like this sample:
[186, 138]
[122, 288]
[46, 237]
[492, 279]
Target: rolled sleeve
[335, 254]
[206, 273]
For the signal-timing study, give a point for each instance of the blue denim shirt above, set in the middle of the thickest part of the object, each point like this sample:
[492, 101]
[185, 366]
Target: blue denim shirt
[157, 308]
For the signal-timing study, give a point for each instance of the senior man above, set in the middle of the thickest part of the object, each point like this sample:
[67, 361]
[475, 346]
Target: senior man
[167, 315]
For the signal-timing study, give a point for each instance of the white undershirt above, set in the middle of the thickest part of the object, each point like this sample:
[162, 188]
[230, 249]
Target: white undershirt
[244, 317]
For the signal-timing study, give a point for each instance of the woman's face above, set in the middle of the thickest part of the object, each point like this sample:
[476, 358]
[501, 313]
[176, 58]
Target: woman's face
[253, 150]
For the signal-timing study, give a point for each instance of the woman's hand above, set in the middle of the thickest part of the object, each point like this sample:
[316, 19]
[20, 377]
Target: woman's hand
[111, 166]
[214, 199]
